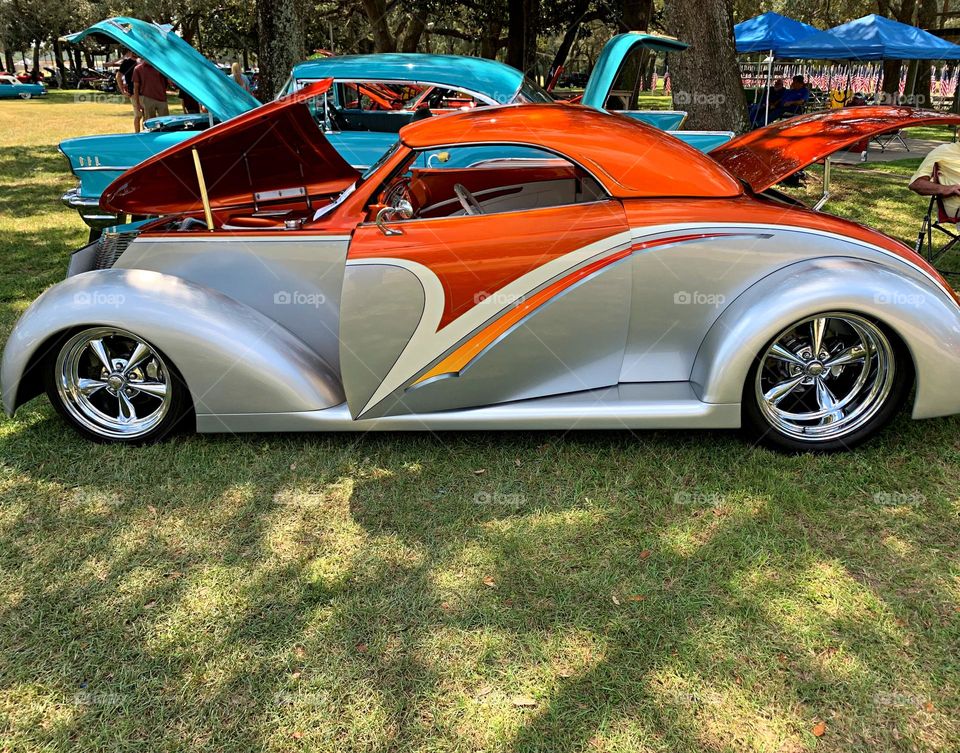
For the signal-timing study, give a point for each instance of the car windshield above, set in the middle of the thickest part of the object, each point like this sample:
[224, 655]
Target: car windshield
[530, 92]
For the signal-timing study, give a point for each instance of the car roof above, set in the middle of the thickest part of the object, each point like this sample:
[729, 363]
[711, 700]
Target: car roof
[496, 81]
[631, 159]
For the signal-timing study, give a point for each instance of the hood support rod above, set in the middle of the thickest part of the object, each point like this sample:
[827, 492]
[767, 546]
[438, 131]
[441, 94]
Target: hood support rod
[204, 197]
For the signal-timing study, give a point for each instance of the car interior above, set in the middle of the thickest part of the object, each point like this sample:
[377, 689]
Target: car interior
[486, 179]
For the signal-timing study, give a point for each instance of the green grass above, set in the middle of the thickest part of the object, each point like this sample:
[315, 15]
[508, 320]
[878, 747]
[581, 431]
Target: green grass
[500, 592]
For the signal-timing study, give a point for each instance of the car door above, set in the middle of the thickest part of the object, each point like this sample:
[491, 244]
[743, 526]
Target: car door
[467, 310]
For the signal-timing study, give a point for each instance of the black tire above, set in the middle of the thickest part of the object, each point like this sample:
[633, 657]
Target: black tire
[178, 414]
[760, 429]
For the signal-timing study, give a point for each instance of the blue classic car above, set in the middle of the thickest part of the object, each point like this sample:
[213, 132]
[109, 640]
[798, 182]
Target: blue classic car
[11, 88]
[372, 98]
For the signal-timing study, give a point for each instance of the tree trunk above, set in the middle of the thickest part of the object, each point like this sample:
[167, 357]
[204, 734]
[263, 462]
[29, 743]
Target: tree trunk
[516, 31]
[35, 73]
[705, 78]
[891, 81]
[410, 38]
[77, 62]
[58, 59]
[569, 37]
[8, 65]
[926, 19]
[281, 44]
[531, 29]
[637, 14]
[490, 41]
[376, 11]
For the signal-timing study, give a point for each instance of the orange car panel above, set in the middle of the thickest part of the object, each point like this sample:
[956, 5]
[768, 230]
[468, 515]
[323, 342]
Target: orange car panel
[474, 256]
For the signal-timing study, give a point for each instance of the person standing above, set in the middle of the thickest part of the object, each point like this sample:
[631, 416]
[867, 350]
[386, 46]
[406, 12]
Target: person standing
[149, 91]
[237, 75]
[125, 83]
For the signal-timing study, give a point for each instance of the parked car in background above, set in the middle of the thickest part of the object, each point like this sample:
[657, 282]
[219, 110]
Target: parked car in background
[356, 124]
[13, 88]
[449, 287]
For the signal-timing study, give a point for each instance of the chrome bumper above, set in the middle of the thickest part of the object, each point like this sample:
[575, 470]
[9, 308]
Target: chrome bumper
[89, 209]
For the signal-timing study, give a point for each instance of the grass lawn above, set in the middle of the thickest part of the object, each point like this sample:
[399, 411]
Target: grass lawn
[602, 591]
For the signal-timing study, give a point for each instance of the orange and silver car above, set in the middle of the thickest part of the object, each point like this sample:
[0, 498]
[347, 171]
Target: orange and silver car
[518, 267]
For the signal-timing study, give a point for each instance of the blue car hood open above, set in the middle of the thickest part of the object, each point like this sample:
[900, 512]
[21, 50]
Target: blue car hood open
[612, 58]
[178, 61]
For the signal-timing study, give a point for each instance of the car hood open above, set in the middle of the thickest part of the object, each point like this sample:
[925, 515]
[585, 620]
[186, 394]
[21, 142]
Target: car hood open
[178, 61]
[273, 153]
[764, 157]
[612, 58]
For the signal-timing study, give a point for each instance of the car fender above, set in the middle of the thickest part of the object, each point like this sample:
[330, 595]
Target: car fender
[233, 358]
[923, 315]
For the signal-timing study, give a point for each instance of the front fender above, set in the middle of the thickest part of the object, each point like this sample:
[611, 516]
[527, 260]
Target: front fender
[233, 359]
[922, 315]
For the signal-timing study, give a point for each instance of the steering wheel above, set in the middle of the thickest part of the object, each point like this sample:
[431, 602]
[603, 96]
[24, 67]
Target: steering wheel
[467, 200]
[397, 192]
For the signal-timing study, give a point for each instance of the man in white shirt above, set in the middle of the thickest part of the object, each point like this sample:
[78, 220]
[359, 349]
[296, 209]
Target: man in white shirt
[947, 159]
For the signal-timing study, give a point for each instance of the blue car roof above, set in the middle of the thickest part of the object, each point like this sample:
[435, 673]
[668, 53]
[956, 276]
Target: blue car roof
[496, 81]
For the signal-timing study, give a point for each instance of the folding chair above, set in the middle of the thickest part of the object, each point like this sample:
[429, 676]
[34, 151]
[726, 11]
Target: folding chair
[937, 218]
[886, 139]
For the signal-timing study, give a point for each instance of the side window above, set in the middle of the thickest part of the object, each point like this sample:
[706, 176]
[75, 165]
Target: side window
[488, 179]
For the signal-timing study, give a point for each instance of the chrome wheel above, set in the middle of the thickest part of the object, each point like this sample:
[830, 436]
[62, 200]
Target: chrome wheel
[825, 377]
[112, 383]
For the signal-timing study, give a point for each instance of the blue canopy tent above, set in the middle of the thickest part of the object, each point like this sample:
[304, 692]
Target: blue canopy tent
[769, 32]
[872, 37]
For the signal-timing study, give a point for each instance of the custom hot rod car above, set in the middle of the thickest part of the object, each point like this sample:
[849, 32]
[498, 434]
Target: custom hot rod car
[450, 287]
[358, 115]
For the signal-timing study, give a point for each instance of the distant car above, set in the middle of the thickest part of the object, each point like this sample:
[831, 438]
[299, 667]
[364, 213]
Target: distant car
[452, 288]
[12, 88]
[358, 122]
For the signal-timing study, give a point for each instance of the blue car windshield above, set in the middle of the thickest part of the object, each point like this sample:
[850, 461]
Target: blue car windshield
[530, 92]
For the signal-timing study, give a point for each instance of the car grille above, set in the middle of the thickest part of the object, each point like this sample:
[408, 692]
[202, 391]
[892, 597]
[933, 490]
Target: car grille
[110, 246]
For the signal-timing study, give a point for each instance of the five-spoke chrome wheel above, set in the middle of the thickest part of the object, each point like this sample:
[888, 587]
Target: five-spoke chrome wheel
[113, 384]
[825, 378]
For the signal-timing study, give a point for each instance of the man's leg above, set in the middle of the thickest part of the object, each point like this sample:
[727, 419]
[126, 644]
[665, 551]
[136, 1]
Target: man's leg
[150, 107]
[162, 107]
[136, 117]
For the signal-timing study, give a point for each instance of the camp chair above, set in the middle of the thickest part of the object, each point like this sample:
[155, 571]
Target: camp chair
[885, 139]
[937, 219]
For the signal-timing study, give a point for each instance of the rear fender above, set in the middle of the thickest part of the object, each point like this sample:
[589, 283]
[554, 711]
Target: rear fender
[925, 318]
[233, 358]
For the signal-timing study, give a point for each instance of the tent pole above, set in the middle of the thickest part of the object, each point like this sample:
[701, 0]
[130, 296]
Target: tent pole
[876, 88]
[766, 116]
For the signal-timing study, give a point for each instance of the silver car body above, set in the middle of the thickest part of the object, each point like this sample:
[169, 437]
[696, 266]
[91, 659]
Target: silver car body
[653, 325]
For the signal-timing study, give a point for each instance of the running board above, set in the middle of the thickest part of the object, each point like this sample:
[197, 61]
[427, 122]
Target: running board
[661, 405]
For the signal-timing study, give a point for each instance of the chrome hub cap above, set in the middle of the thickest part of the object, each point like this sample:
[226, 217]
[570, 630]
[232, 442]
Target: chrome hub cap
[825, 377]
[113, 383]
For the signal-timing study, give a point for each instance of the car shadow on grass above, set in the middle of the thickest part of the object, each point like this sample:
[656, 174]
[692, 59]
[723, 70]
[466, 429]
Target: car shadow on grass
[528, 591]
